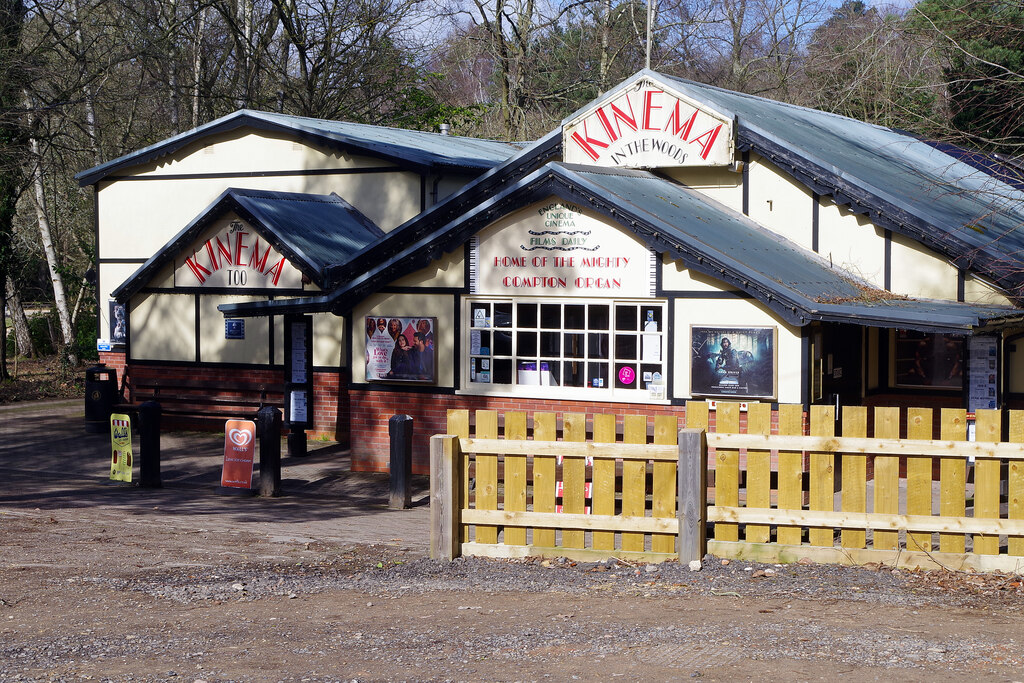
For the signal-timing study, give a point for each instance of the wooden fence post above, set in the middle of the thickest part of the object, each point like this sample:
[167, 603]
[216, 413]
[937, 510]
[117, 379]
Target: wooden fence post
[445, 499]
[692, 489]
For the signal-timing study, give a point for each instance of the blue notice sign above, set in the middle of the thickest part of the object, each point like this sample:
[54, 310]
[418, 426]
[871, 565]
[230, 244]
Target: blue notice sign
[234, 328]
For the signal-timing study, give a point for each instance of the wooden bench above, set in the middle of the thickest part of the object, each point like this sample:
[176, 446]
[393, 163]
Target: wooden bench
[205, 402]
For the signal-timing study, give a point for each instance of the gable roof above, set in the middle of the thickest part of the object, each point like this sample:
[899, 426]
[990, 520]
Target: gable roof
[422, 150]
[311, 231]
[960, 210]
[706, 236]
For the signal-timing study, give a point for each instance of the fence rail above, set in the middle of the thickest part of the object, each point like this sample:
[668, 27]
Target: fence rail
[905, 499]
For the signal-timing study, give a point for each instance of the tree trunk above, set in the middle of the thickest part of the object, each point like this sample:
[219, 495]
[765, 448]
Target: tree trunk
[59, 298]
[22, 337]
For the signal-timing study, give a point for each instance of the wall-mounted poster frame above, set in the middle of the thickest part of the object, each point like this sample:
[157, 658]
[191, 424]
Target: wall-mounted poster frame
[118, 318]
[298, 371]
[400, 349]
[734, 361]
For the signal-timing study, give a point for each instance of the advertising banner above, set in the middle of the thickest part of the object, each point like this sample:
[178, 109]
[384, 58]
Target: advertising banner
[400, 349]
[733, 361]
[239, 454]
[120, 448]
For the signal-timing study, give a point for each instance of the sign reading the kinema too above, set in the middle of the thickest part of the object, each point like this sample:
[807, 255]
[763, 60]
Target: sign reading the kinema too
[233, 255]
[648, 127]
[555, 249]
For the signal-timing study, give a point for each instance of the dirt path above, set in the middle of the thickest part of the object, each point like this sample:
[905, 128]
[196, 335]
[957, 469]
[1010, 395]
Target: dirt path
[104, 583]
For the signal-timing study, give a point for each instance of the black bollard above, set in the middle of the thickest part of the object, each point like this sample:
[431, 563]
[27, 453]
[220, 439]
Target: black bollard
[149, 445]
[268, 426]
[400, 430]
[297, 443]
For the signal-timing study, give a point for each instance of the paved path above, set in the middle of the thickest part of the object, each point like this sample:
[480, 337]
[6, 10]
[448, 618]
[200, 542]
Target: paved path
[48, 461]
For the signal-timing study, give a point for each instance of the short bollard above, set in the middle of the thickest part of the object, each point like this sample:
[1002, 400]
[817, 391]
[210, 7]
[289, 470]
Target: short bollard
[149, 445]
[268, 426]
[297, 443]
[400, 430]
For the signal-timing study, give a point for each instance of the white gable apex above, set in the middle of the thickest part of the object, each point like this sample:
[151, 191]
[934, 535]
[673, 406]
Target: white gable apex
[645, 123]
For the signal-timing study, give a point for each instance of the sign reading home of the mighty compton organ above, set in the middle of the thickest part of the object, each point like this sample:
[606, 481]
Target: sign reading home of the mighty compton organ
[647, 126]
[555, 249]
[232, 255]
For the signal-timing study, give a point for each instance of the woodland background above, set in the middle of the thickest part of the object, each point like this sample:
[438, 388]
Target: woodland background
[85, 81]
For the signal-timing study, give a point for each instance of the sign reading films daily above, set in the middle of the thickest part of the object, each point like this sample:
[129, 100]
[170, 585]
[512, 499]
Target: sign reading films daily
[239, 454]
[232, 255]
[555, 249]
[648, 127]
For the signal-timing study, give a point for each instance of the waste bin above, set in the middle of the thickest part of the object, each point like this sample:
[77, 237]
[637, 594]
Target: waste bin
[100, 396]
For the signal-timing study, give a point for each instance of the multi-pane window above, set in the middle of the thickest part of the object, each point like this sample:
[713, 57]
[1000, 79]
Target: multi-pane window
[615, 346]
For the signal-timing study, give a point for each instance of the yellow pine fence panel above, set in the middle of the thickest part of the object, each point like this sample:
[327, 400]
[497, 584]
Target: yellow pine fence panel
[486, 475]
[634, 480]
[603, 481]
[515, 477]
[759, 470]
[988, 425]
[727, 468]
[1015, 482]
[663, 496]
[458, 425]
[887, 476]
[855, 475]
[544, 468]
[919, 477]
[574, 476]
[823, 423]
[952, 477]
[791, 478]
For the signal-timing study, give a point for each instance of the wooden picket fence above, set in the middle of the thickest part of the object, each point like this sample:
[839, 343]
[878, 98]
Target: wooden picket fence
[777, 495]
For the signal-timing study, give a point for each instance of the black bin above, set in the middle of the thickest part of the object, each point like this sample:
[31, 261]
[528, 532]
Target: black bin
[100, 396]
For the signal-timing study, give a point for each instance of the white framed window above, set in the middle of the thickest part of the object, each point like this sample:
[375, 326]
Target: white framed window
[593, 349]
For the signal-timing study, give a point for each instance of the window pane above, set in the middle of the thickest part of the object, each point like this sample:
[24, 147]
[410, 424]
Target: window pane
[625, 318]
[597, 345]
[572, 374]
[485, 343]
[477, 373]
[502, 343]
[549, 344]
[625, 376]
[573, 345]
[650, 374]
[526, 344]
[527, 315]
[625, 346]
[597, 375]
[598, 317]
[503, 315]
[549, 372]
[551, 316]
[501, 371]
[652, 319]
[575, 315]
[481, 315]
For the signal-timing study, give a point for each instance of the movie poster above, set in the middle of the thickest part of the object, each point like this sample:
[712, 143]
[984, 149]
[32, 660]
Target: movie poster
[400, 349]
[733, 361]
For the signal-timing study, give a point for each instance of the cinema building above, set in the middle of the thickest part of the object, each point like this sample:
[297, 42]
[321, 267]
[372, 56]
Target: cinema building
[670, 241]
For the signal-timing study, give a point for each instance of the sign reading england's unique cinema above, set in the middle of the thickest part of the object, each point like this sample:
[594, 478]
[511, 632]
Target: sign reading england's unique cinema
[234, 256]
[648, 127]
[554, 249]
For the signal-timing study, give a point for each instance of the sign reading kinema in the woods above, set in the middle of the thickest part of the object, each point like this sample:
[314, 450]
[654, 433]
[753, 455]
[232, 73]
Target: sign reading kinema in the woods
[646, 126]
[232, 255]
[555, 249]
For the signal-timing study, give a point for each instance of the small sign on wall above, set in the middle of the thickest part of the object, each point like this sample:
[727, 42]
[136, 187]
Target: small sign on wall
[234, 328]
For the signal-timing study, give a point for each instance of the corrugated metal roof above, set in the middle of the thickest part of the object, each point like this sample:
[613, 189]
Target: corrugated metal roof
[311, 231]
[405, 147]
[321, 229]
[709, 237]
[973, 216]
